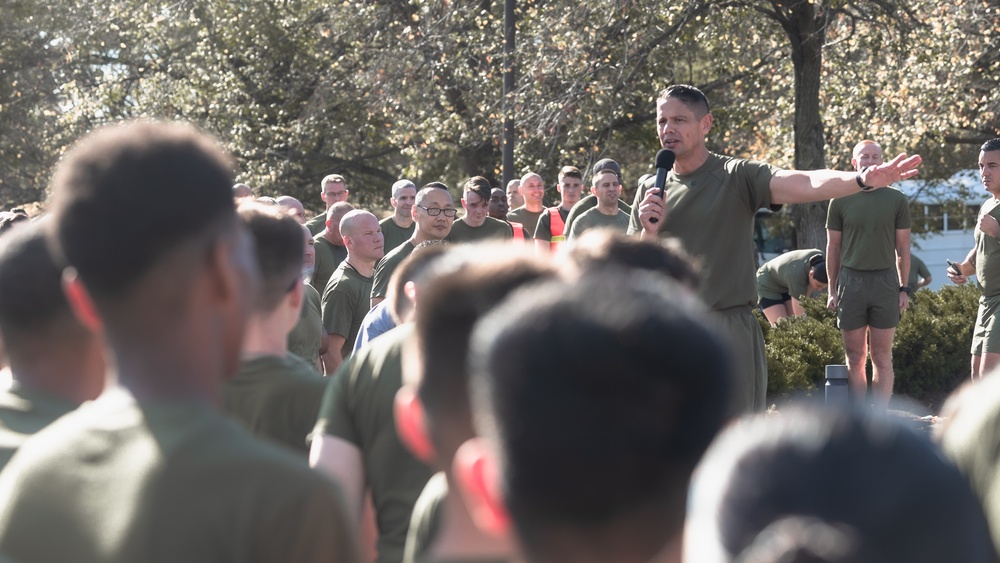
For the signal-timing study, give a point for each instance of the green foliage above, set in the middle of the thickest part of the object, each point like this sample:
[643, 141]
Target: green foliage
[930, 351]
[799, 348]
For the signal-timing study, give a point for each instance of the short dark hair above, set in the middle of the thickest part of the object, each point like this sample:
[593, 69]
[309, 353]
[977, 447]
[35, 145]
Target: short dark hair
[479, 186]
[461, 288]
[691, 96]
[31, 296]
[279, 242]
[127, 195]
[601, 248]
[570, 172]
[991, 145]
[796, 465]
[817, 264]
[597, 433]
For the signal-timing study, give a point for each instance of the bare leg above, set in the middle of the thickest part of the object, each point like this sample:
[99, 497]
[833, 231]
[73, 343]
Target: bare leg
[856, 352]
[775, 312]
[882, 374]
[989, 363]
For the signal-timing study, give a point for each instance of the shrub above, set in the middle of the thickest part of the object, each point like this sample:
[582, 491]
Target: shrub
[930, 351]
[798, 349]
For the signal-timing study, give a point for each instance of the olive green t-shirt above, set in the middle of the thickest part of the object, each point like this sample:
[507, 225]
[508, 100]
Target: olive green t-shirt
[305, 339]
[988, 253]
[386, 266]
[120, 481]
[868, 222]
[426, 519]
[346, 301]
[711, 211]
[587, 203]
[328, 258]
[276, 397]
[788, 273]
[490, 229]
[317, 224]
[917, 270]
[529, 219]
[394, 235]
[23, 412]
[358, 408]
[594, 219]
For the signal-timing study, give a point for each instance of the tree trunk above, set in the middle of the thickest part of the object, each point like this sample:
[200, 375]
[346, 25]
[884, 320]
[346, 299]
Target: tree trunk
[805, 27]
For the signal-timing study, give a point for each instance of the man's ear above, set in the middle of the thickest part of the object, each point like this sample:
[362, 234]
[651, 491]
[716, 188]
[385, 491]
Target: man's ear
[706, 123]
[411, 426]
[80, 301]
[478, 477]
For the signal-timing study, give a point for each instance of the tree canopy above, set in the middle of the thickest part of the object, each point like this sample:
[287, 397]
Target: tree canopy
[377, 90]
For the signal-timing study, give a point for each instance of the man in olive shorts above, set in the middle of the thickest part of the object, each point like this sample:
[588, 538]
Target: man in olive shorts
[984, 261]
[709, 203]
[868, 263]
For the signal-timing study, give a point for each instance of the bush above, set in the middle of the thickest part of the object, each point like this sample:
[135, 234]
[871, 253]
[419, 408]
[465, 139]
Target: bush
[930, 351]
[798, 349]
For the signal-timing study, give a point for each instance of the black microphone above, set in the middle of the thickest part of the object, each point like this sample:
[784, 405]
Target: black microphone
[664, 162]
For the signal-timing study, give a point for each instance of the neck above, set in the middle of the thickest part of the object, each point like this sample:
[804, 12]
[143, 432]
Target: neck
[419, 237]
[332, 238]
[75, 375]
[533, 207]
[606, 209]
[364, 267]
[566, 205]
[459, 538]
[266, 335]
[692, 162]
[403, 221]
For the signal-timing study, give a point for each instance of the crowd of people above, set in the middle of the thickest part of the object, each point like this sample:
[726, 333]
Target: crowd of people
[214, 376]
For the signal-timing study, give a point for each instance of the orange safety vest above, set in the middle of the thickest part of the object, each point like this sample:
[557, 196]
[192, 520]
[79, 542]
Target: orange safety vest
[518, 231]
[557, 227]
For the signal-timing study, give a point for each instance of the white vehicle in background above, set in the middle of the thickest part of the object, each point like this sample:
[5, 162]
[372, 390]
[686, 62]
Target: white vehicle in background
[943, 213]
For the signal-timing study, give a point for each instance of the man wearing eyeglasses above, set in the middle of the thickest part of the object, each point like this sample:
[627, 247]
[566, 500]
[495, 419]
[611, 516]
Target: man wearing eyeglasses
[433, 213]
[475, 225]
[333, 189]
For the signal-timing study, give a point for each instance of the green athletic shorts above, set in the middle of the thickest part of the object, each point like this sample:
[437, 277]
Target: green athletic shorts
[867, 298]
[986, 336]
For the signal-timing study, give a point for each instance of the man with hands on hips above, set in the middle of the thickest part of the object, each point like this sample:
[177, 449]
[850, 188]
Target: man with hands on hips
[709, 203]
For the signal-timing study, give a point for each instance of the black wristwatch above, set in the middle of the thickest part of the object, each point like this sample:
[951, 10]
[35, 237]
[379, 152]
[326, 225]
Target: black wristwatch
[861, 184]
[905, 288]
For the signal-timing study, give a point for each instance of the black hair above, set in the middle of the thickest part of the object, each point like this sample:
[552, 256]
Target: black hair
[129, 194]
[601, 248]
[602, 395]
[278, 239]
[991, 145]
[856, 469]
[31, 296]
[461, 287]
[691, 96]
[817, 264]
[479, 186]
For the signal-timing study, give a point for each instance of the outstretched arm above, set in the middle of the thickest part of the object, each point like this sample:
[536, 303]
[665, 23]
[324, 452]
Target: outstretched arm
[801, 186]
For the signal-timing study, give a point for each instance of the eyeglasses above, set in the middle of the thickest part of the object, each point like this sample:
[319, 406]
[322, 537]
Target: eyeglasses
[435, 211]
